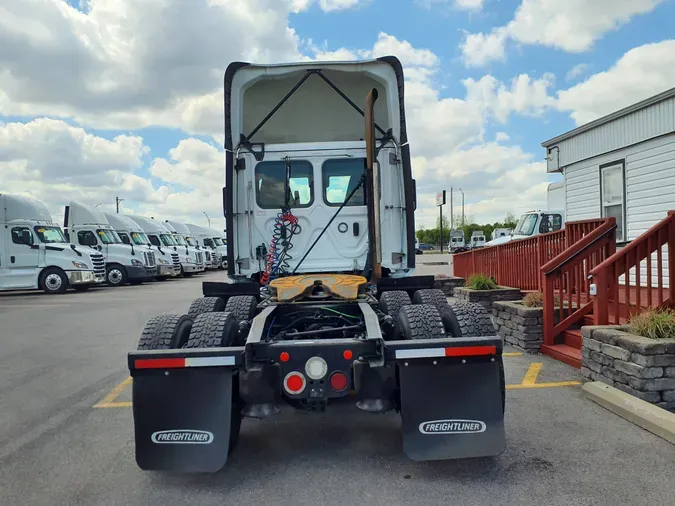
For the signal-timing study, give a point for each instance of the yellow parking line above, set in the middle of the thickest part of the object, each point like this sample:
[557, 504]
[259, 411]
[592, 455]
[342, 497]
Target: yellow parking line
[553, 384]
[532, 373]
[512, 354]
[109, 400]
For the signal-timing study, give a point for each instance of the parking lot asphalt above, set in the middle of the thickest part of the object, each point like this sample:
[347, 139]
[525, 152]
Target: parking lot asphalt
[63, 355]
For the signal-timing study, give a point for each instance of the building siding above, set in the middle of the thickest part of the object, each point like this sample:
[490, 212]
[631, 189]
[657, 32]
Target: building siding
[653, 121]
[650, 191]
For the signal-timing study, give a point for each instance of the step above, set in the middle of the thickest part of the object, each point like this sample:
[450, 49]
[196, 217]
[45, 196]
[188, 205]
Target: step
[564, 353]
[573, 338]
[588, 320]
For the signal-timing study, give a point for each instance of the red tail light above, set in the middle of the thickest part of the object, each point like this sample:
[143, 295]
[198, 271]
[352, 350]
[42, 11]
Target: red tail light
[339, 381]
[294, 383]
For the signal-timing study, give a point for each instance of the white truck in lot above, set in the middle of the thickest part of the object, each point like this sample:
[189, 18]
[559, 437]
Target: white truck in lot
[87, 226]
[477, 239]
[221, 247]
[132, 234]
[204, 237]
[168, 260]
[196, 256]
[500, 232]
[35, 254]
[457, 242]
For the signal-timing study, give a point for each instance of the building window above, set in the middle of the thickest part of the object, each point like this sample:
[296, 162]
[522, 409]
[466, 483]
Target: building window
[340, 177]
[612, 196]
[270, 179]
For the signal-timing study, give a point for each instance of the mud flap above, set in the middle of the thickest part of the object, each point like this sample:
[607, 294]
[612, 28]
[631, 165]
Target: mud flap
[182, 418]
[451, 410]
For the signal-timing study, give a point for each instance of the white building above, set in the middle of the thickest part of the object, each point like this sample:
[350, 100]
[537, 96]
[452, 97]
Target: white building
[621, 165]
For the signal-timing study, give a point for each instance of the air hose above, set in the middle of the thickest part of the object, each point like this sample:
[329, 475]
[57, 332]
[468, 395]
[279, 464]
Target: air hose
[285, 227]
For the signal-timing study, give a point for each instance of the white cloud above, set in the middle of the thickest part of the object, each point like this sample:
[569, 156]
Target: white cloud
[571, 25]
[639, 74]
[576, 71]
[502, 136]
[464, 5]
[337, 5]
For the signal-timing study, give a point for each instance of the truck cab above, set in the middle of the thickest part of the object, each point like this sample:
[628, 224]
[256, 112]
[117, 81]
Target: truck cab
[35, 254]
[500, 232]
[194, 258]
[457, 243]
[533, 223]
[477, 239]
[221, 247]
[132, 235]
[87, 226]
[204, 238]
[168, 260]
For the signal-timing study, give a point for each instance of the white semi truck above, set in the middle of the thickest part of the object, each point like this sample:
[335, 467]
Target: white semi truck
[221, 247]
[477, 239]
[132, 234]
[196, 256]
[35, 254]
[204, 237]
[87, 226]
[160, 237]
[457, 242]
[500, 232]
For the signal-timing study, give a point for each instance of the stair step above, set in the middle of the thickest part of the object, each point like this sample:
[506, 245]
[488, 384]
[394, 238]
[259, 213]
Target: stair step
[564, 353]
[573, 338]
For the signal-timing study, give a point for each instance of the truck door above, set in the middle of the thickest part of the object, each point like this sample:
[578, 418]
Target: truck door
[20, 264]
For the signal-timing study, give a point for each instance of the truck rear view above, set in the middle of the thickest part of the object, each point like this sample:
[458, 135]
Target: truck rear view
[321, 304]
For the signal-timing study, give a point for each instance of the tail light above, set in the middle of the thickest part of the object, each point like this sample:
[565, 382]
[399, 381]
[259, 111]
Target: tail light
[316, 368]
[339, 381]
[294, 383]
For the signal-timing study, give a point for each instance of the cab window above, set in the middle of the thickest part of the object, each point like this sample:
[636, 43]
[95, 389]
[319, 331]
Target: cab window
[124, 237]
[22, 235]
[154, 240]
[550, 223]
[86, 238]
[340, 177]
[270, 180]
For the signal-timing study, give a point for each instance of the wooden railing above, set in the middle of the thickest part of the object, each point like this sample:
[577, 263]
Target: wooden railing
[641, 265]
[517, 263]
[565, 278]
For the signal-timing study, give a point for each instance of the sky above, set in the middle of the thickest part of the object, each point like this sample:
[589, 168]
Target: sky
[106, 98]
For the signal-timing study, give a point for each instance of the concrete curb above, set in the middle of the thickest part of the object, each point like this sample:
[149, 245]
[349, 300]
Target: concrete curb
[652, 418]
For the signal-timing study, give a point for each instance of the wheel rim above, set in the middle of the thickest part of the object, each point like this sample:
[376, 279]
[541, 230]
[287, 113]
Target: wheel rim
[115, 276]
[53, 282]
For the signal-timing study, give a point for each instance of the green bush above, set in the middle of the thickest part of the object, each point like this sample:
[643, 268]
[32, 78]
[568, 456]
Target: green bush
[481, 282]
[654, 324]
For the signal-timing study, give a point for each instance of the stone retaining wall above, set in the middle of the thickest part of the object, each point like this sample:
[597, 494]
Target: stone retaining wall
[644, 368]
[448, 284]
[519, 325]
[487, 297]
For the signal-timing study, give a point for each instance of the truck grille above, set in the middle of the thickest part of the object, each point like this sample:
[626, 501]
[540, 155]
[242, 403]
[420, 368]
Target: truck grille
[176, 261]
[98, 263]
[200, 257]
[208, 256]
[150, 260]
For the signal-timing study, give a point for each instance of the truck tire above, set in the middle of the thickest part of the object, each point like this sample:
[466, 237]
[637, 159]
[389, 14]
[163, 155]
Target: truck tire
[420, 321]
[431, 296]
[115, 275]
[242, 307]
[206, 305]
[166, 332]
[467, 319]
[53, 281]
[215, 330]
[392, 302]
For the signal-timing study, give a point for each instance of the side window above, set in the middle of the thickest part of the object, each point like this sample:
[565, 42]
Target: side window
[154, 240]
[270, 180]
[340, 177]
[550, 223]
[86, 238]
[22, 235]
[124, 237]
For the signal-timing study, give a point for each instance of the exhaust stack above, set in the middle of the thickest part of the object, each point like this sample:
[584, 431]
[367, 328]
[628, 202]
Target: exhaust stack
[373, 187]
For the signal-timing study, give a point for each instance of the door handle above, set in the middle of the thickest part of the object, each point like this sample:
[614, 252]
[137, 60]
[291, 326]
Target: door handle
[356, 228]
[11, 259]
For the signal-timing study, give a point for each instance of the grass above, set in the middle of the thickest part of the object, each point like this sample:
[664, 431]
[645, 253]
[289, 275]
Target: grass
[481, 282]
[654, 324]
[536, 299]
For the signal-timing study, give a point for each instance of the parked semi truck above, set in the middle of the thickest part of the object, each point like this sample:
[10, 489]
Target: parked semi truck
[168, 260]
[35, 254]
[322, 304]
[87, 226]
[132, 234]
[204, 237]
[194, 255]
[457, 242]
[477, 239]
[500, 232]
[221, 247]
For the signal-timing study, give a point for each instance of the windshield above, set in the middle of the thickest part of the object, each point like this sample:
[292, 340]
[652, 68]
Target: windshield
[457, 239]
[191, 241]
[50, 235]
[139, 238]
[208, 242]
[108, 236]
[218, 241]
[167, 240]
[178, 239]
[526, 224]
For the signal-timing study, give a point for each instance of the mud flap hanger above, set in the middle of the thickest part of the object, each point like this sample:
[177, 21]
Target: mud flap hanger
[245, 140]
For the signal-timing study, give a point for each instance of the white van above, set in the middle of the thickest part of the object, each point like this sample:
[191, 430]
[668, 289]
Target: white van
[204, 237]
[195, 257]
[87, 226]
[34, 253]
[168, 260]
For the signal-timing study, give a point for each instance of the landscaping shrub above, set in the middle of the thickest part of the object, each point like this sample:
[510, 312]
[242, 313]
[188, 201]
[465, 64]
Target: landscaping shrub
[481, 282]
[654, 324]
[536, 299]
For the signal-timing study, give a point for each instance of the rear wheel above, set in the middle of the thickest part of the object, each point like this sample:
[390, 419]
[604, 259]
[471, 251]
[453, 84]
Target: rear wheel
[420, 321]
[242, 307]
[206, 305]
[215, 330]
[467, 319]
[166, 332]
[431, 296]
[392, 302]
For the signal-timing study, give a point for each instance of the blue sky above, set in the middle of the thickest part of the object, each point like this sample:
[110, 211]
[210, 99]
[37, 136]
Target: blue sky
[139, 109]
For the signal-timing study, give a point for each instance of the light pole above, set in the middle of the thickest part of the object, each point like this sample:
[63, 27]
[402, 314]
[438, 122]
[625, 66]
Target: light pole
[117, 203]
[462, 207]
[207, 217]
